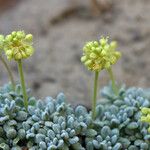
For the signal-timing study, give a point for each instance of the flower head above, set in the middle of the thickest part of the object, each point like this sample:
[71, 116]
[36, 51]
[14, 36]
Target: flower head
[18, 45]
[99, 55]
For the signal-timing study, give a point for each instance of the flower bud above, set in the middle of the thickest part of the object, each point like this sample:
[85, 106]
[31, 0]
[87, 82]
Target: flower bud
[29, 37]
[83, 58]
[103, 41]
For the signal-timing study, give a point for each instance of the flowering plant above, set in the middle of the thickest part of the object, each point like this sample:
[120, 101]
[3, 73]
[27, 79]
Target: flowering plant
[99, 55]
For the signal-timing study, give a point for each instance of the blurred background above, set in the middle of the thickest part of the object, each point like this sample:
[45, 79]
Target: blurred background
[61, 28]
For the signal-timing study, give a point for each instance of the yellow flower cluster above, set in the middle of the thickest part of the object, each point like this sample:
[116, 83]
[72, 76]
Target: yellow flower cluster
[17, 45]
[99, 55]
[145, 116]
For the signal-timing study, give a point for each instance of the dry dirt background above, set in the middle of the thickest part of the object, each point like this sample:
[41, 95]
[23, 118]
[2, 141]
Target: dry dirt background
[60, 29]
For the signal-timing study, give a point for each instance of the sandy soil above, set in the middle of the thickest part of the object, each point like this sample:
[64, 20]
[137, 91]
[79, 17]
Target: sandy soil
[61, 28]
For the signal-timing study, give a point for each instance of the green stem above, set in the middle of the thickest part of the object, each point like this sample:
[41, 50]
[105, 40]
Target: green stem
[9, 72]
[20, 68]
[114, 87]
[94, 96]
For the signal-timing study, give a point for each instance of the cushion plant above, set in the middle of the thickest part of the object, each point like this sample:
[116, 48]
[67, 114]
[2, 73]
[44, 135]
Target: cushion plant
[115, 123]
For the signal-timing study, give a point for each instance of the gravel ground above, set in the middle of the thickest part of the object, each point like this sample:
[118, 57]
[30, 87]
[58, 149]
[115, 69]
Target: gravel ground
[60, 29]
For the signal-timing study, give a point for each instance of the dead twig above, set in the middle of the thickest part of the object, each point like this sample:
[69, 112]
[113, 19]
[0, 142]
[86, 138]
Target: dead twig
[100, 6]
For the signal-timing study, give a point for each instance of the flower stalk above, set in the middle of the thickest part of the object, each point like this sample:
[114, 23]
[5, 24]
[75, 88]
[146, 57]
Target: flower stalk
[23, 86]
[114, 86]
[94, 95]
[9, 72]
